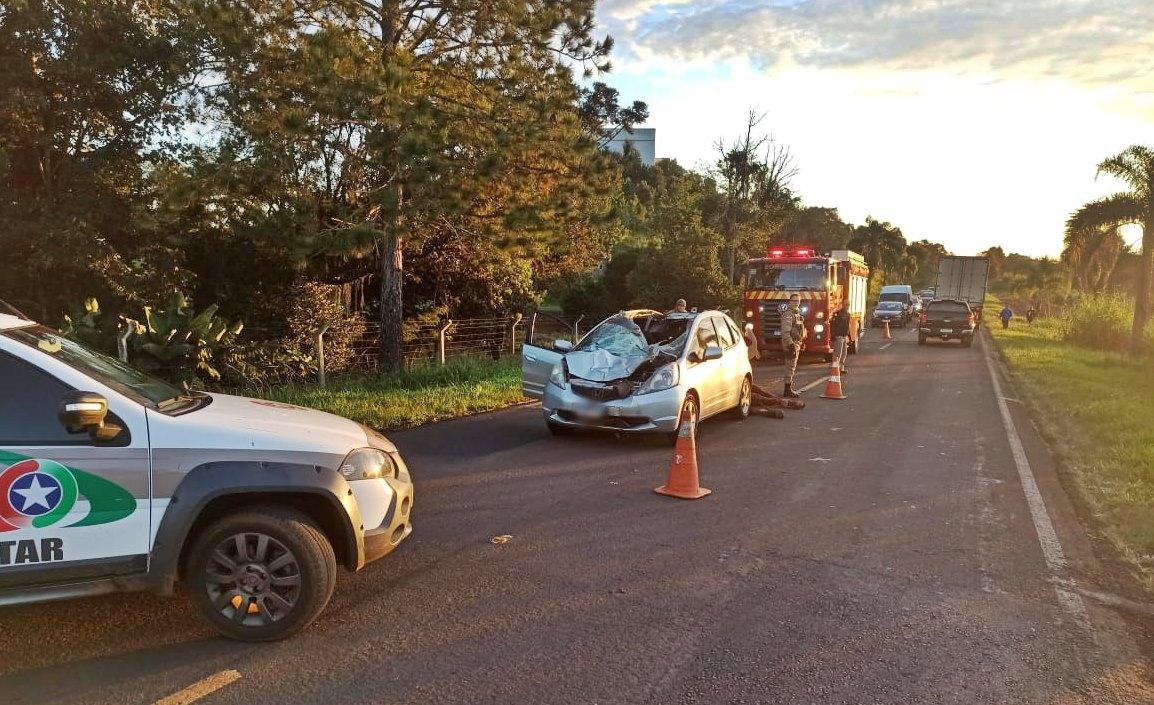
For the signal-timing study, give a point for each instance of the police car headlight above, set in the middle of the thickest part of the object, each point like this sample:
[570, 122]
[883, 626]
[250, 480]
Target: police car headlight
[818, 328]
[749, 314]
[557, 376]
[367, 464]
[664, 378]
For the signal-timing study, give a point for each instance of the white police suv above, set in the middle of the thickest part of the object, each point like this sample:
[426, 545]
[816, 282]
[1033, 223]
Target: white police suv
[112, 480]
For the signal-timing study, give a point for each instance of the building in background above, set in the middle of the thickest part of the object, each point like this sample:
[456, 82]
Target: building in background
[641, 139]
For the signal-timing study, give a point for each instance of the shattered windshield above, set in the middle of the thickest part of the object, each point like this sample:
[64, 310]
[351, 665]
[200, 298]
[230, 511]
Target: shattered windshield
[618, 335]
[787, 276]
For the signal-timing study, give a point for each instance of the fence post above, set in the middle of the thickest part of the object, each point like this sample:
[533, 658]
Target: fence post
[122, 337]
[320, 343]
[576, 323]
[513, 333]
[441, 341]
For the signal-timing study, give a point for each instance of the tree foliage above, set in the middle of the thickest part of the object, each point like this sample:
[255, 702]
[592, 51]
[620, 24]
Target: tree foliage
[1096, 220]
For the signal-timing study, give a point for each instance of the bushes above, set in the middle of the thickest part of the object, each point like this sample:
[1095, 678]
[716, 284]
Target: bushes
[1101, 321]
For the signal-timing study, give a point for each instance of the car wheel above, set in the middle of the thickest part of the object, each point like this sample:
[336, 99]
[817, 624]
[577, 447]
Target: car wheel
[745, 401]
[558, 429]
[690, 410]
[828, 357]
[851, 347]
[261, 574]
[921, 339]
[967, 342]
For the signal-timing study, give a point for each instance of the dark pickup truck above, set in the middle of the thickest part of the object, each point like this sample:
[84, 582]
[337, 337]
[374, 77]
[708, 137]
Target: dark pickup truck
[948, 319]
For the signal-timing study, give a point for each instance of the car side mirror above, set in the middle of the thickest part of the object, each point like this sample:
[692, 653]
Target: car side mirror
[712, 352]
[86, 411]
[562, 346]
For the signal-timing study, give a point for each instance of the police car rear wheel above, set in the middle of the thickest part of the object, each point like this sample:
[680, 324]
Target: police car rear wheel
[261, 574]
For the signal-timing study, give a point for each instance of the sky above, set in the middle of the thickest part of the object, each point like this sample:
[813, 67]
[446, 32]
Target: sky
[971, 123]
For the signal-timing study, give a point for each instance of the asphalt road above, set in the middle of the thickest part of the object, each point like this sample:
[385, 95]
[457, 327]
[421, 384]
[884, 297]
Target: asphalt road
[875, 550]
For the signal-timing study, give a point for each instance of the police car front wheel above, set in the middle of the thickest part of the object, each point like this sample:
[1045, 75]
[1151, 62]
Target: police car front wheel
[261, 574]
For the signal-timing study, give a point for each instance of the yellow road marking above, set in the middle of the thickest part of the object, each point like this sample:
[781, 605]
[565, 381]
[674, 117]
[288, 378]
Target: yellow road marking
[201, 688]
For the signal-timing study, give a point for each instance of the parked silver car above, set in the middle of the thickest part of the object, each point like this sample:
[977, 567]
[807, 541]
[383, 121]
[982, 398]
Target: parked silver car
[642, 372]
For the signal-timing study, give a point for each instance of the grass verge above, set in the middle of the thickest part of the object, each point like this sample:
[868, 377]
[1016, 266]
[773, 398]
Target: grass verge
[1096, 408]
[420, 395]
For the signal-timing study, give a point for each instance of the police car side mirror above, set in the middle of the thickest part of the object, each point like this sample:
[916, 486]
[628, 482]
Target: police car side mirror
[86, 411]
[562, 346]
[712, 352]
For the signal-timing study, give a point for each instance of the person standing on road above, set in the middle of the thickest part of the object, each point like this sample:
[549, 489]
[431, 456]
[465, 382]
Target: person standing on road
[839, 330]
[1006, 315]
[792, 336]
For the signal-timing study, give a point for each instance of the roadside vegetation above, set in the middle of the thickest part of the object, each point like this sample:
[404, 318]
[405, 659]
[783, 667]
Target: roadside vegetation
[1092, 398]
[423, 394]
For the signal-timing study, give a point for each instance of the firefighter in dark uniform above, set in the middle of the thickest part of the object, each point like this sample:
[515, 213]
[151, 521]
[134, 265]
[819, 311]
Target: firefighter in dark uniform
[792, 336]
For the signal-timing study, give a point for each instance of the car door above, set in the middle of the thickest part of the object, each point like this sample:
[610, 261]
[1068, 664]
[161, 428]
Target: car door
[731, 369]
[70, 509]
[537, 364]
[705, 376]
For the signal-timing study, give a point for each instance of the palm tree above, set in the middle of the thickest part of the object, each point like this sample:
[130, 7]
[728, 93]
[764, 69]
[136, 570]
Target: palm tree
[1135, 167]
[882, 245]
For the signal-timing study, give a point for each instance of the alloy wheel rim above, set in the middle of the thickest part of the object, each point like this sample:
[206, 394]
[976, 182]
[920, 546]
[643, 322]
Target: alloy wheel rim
[746, 396]
[253, 579]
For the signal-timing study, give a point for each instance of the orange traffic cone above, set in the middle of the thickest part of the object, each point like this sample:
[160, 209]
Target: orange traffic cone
[833, 386]
[683, 481]
[887, 331]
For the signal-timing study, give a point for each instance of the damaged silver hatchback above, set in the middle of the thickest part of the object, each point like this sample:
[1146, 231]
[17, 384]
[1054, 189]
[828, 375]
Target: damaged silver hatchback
[642, 372]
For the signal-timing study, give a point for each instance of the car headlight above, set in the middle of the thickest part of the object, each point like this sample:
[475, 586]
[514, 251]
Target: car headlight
[367, 464]
[819, 315]
[804, 310]
[749, 314]
[818, 328]
[557, 376]
[664, 378]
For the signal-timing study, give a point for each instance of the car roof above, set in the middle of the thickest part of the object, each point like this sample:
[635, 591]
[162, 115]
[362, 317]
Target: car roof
[949, 301]
[10, 322]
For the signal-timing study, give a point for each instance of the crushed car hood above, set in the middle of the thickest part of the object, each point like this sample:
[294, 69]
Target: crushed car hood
[602, 365]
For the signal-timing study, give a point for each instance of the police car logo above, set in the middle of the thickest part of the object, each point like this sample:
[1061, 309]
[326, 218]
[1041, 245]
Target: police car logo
[37, 493]
[782, 307]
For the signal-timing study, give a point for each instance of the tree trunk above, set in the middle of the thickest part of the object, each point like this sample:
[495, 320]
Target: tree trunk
[391, 252]
[1144, 282]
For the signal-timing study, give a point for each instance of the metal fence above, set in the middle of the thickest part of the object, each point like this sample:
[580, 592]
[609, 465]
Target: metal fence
[439, 342]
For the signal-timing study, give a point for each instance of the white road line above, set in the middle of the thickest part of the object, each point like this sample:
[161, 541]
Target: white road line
[201, 688]
[1064, 587]
[885, 346]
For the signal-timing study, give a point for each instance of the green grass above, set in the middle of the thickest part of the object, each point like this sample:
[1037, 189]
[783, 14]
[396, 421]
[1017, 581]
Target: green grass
[1097, 408]
[423, 394]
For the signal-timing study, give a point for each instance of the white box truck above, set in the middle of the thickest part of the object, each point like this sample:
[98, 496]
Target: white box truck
[964, 279]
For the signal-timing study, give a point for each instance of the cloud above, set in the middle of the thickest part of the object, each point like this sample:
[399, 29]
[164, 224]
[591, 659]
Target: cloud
[1086, 41]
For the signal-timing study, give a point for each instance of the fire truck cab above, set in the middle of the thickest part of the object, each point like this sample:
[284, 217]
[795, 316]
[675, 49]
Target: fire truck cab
[824, 283]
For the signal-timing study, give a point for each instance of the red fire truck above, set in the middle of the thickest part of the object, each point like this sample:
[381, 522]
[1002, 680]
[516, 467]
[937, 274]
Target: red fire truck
[824, 283]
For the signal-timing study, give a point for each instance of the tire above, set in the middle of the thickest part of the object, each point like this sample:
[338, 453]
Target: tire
[967, 342]
[921, 339]
[851, 347]
[744, 401]
[275, 540]
[691, 407]
[828, 357]
[558, 430]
